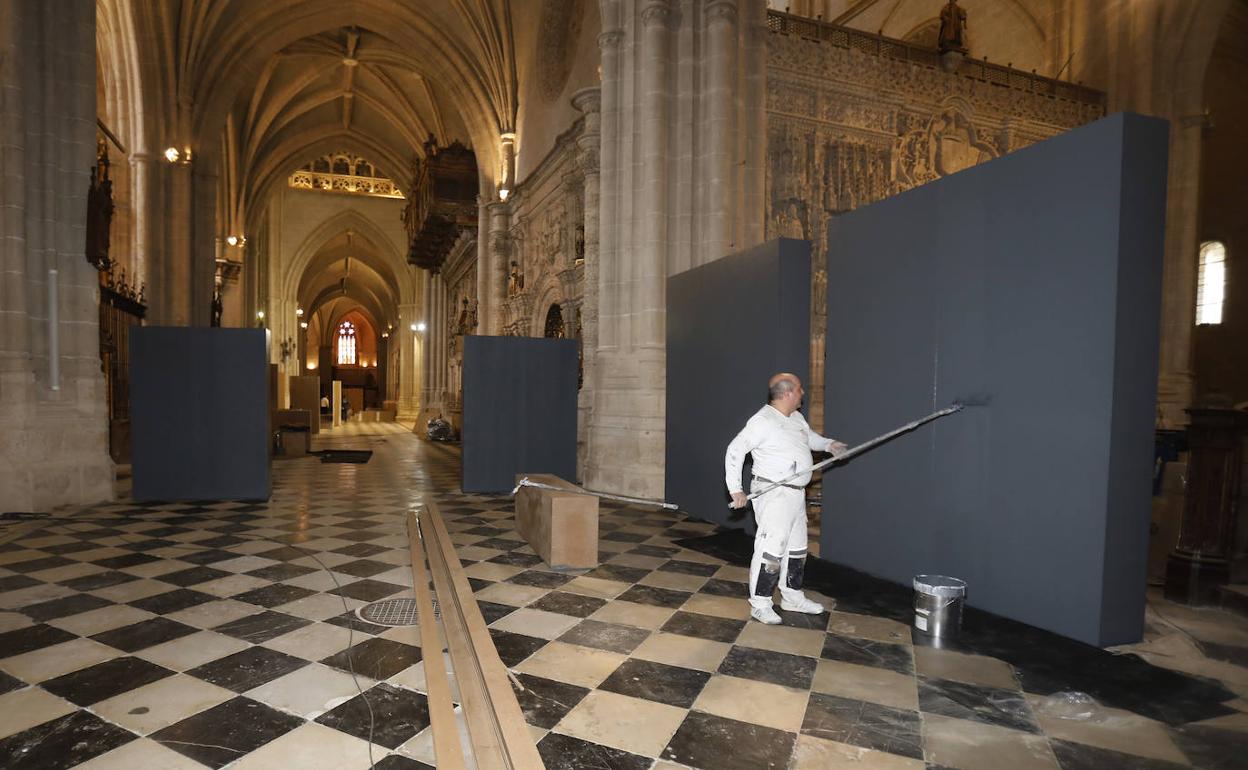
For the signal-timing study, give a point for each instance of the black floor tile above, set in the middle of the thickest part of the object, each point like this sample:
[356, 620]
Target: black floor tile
[129, 560]
[514, 648]
[273, 595]
[539, 579]
[104, 680]
[656, 597]
[626, 537]
[1212, 748]
[173, 601]
[282, 571]
[690, 568]
[194, 575]
[364, 568]
[847, 649]
[65, 742]
[207, 556]
[367, 590]
[144, 634]
[284, 553]
[16, 583]
[545, 701]
[989, 705]
[863, 724]
[400, 762]
[1077, 756]
[659, 682]
[654, 550]
[361, 551]
[393, 715]
[605, 636]
[767, 666]
[492, 611]
[704, 626]
[352, 621]
[618, 573]
[803, 620]
[226, 732]
[64, 607]
[247, 668]
[39, 564]
[568, 604]
[32, 638]
[375, 658]
[98, 580]
[718, 587]
[516, 559]
[262, 626]
[710, 742]
[68, 548]
[9, 684]
[563, 752]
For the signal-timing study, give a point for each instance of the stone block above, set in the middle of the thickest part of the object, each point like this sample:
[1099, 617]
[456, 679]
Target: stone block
[562, 527]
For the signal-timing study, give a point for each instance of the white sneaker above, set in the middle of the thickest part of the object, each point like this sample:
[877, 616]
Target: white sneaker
[802, 605]
[765, 615]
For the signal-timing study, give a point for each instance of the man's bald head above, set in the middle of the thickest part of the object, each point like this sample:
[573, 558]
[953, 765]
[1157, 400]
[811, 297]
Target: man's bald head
[782, 384]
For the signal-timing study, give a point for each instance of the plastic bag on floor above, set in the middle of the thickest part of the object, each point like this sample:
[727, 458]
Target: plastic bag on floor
[1073, 706]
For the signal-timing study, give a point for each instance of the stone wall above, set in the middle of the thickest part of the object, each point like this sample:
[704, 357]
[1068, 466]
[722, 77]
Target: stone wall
[853, 118]
[53, 416]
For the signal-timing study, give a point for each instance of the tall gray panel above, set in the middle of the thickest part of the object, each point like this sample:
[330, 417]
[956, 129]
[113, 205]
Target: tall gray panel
[731, 324]
[199, 413]
[519, 410]
[1035, 279]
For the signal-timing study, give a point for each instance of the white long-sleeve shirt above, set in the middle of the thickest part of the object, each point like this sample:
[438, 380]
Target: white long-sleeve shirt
[780, 445]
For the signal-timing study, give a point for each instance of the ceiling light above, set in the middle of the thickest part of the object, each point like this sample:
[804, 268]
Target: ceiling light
[172, 154]
[414, 328]
[420, 327]
[299, 311]
[303, 324]
[260, 314]
[232, 240]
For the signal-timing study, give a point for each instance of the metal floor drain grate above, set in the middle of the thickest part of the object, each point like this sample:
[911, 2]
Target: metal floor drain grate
[394, 612]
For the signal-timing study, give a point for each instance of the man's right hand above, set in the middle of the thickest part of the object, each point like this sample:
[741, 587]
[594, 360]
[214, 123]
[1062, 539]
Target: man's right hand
[739, 500]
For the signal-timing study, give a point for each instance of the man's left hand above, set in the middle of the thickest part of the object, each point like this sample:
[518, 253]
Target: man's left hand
[837, 449]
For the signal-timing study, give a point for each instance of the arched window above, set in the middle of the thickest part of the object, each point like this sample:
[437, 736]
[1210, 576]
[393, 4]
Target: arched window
[346, 344]
[554, 323]
[1211, 282]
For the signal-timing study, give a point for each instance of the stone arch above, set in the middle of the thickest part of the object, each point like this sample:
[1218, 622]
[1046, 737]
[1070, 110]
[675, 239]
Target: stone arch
[350, 219]
[546, 293]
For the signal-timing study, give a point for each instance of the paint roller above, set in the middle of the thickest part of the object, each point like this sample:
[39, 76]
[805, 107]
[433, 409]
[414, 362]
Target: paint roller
[956, 406]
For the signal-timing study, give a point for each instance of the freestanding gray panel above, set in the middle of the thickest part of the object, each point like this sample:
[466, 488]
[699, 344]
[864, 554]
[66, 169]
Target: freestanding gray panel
[1035, 279]
[731, 324]
[519, 410]
[200, 414]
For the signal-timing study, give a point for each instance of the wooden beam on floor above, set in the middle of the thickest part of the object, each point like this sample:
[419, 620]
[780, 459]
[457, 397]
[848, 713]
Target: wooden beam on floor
[450, 755]
[500, 737]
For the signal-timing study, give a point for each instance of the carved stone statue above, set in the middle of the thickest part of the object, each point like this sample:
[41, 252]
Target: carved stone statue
[515, 282]
[952, 28]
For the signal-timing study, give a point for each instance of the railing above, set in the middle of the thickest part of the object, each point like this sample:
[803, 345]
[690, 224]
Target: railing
[886, 47]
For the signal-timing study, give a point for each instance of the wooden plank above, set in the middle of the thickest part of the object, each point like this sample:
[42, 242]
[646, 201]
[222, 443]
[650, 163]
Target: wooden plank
[500, 736]
[446, 747]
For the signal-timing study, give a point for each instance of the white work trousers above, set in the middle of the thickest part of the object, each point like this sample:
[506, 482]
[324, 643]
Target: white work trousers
[781, 536]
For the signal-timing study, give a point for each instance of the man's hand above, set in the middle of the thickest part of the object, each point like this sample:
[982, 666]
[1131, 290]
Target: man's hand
[837, 449]
[739, 500]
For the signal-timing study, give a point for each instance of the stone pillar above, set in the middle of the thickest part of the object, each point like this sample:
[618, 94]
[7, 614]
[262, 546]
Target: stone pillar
[409, 361]
[1182, 256]
[486, 309]
[493, 279]
[589, 102]
[753, 136]
[53, 415]
[719, 175]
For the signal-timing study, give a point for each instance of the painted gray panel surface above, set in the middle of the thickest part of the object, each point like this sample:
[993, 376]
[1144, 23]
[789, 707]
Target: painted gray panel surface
[1034, 278]
[731, 324]
[199, 413]
[519, 410]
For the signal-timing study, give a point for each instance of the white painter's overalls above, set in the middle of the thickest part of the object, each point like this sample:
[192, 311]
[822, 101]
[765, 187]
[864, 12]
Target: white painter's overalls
[780, 446]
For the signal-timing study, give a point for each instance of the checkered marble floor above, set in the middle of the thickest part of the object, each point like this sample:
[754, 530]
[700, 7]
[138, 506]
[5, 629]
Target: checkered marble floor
[217, 634]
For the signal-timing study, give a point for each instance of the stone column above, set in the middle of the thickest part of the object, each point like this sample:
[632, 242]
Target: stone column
[719, 177]
[751, 217]
[493, 278]
[53, 414]
[1179, 271]
[409, 362]
[427, 367]
[486, 310]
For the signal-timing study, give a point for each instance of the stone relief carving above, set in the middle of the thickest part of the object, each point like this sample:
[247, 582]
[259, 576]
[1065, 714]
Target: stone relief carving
[847, 127]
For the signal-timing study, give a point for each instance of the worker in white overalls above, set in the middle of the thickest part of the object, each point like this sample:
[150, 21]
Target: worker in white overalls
[781, 441]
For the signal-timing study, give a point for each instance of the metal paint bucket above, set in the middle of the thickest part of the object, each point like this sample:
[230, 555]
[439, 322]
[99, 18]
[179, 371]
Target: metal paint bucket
[938, 605]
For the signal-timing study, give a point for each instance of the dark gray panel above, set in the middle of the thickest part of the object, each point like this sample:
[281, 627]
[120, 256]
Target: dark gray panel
[731, 324]
[1034, 278]
[199, 413]
[519, 410]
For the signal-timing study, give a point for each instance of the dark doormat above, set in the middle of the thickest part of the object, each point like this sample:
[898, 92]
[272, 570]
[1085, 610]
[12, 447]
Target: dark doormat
[345, 455]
